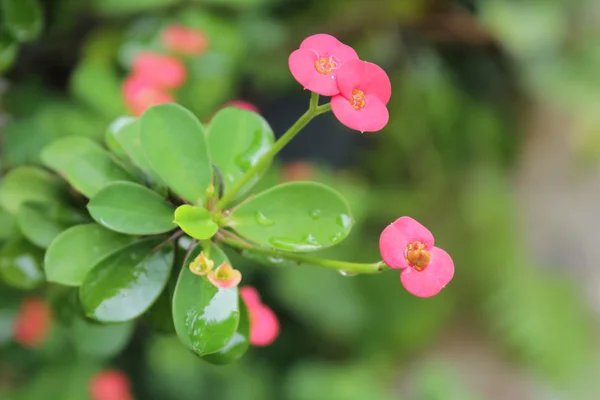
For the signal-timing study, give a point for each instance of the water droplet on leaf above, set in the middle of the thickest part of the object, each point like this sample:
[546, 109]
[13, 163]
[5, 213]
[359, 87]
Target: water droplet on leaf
[315, 214]
[347, 273]
[344, 220]
[263, 220]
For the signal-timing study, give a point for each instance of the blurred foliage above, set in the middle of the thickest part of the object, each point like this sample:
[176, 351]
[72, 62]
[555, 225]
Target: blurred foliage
[445, 158]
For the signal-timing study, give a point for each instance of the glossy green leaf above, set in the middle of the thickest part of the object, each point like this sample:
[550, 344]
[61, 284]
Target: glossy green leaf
[8, 51]
[97, 84]
[100, 340]
[237, 139]
[174, 142]
[239, 343]
[85, 165]
[125, 284]
[296, 216]
[78, 249]
[131, 208]
[7, 225]
[28, 184]
[110, 137]
[125, 132]
[205, 317]
[196, 221]
[22, 18]
[21, 264]
[40, 223]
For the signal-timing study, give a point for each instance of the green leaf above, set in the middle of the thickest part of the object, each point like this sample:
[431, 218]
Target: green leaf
[28, 184]
[97, 84]
[239, 343]
[125, 132]
[100, 340]
[85, 165]
[296, 216]
[22, 18]
[113, 7]
[21, 264]
[174, 142]
[110, 137]
[125, 284]
[131, 208]
[7, 225]
[40, 223]
[205, 317]
[237, 139]
[196, 221]
[8, 51]
[78, 249]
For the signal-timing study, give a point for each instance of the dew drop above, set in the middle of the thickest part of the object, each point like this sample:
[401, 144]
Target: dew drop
[344, 220]
[307, 243]
[347, 273]
[315, 214]
[263, 220]
[337, 237]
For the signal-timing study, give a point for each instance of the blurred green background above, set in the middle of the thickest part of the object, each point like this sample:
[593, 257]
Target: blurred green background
[493, 143]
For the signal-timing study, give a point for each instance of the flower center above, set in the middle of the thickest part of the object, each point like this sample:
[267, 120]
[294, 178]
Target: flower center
[224, 272]
[416, 256]
[325, 65]
[358, 100]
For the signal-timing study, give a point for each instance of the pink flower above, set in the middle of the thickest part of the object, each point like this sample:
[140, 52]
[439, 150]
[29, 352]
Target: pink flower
[264, 326]
[184, 40]
[244, 105]
[365, 89]
[110, 385]
[408, 245]
[224, 276]
[158, 69]
[33, 323]
[315, 65]
[139, 94]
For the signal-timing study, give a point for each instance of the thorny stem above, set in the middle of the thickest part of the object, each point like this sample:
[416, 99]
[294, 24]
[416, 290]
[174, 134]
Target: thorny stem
[357, 268]
[313, 110]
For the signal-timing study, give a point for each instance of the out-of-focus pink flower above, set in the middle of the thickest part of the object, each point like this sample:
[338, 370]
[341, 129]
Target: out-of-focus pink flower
[315, 65]
[264, 326]
[159, 70]
[408, 245]
[33, 322]
[183, 40]
[244, 105]
[225, 276]
[298, 171]
[110, 385]
[365, 89]
[139, 94]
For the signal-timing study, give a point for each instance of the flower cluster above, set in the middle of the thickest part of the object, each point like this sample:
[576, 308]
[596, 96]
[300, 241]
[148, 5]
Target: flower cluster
[406, 244]
[154, 75]
[360, 90]
[223, 277]
[264, 326]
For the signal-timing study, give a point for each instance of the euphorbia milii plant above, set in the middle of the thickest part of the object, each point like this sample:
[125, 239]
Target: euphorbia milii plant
[172, 197]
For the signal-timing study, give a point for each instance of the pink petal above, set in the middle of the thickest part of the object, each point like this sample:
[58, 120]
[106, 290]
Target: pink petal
[264, 326]
[433, 278]
[250, 296]
[244, 105]
[365, 76]
[184, 40]
[321, 43]
[372, 118]
[139, 94]
[302, 67]
[236, 278]
[161, 70]
[110, 385]
[33, 322]
[397, 236]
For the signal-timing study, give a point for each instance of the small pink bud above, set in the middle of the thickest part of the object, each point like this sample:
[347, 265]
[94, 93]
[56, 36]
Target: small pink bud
[159, 69]
[110, 385]
[183, 40]
[244, 105]
[33, 323]
[408, 245]
[225, 276]
[264, 326]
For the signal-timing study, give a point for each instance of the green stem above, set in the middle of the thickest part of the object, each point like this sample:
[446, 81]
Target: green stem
[350, 267]
[313, 110]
